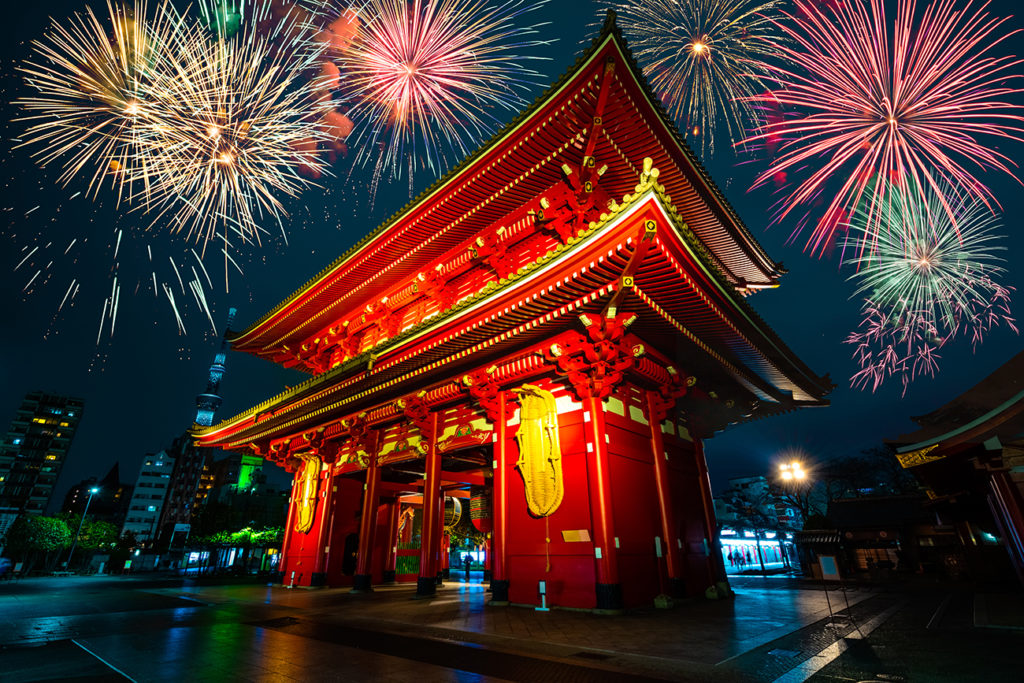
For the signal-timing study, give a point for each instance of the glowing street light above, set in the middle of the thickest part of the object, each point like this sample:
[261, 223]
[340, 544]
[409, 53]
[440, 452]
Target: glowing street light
[792, 471]
[92, 492]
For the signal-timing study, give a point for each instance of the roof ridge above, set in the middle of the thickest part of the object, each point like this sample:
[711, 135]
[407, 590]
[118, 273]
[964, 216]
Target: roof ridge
[608, 27]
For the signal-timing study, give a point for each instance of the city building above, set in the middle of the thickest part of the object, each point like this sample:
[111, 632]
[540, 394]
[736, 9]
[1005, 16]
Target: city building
[237, 473]
[545, 337]
[34, 449]
[240, 497]
[7, 517]
[969, 454]
[191, 478]
[148, 496]
[110, 503]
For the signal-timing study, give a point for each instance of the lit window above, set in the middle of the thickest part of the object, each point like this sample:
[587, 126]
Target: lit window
[152, 508]
[149, 462]
[51, 457]
[39, 420]
[17, 442]
[65, 424]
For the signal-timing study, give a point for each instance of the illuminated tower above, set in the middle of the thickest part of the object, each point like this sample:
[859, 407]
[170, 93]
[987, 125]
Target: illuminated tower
[208, 402]
[191, 479]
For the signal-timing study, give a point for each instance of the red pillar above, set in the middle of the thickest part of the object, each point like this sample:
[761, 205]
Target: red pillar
[499, 508]
[487, 558]
[439, 538]
[609, 590]
[669, 533]
[319, 576]
[446, 545]
[716, 565]
[391, 553]
[282, 563]
[426, 584]
[363, 580]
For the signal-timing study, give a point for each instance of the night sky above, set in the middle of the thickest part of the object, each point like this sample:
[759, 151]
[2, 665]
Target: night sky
[139, 386]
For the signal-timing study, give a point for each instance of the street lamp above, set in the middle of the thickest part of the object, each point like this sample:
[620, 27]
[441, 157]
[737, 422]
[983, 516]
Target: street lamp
[792, 471]
[794, 475]
[92, 492]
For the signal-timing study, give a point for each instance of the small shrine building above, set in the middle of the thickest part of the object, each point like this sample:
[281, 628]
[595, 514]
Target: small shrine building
[540, 342]
[969, 455]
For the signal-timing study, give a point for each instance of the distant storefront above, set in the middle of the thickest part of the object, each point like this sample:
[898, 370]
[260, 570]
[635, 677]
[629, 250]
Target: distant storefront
[743, 551]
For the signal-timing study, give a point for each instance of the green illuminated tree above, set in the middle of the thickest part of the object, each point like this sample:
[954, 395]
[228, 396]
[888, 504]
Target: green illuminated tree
[33, 538]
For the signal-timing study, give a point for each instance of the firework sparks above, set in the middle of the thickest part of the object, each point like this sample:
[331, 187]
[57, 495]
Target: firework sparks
[240, 120]
[913, 106]
[705, 58]
[424, 75]
[207, 132]
[92, 82]
[928, 275]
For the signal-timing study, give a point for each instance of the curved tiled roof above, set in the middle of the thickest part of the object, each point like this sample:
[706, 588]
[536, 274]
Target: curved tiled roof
[740, 241]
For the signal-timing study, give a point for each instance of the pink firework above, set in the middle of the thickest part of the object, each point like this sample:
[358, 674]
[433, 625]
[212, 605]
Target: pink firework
[905, 343]
[425, 77]
[915, 105]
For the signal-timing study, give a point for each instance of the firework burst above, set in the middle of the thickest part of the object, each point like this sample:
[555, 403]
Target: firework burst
[705, 58]
[207, 132]
[915, 106]
[93, 84]
[927, 272]
[424, 76]
[239, 120]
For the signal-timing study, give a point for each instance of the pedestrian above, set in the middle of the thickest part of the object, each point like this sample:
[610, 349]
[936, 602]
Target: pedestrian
[750, 560]
[732, 559]
[467, 562]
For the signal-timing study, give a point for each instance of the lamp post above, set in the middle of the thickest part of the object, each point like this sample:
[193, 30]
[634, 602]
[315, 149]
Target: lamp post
[93, 491]
[794, 476]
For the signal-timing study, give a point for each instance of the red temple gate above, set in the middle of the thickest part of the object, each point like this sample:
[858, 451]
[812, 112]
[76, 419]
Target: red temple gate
[556, 325]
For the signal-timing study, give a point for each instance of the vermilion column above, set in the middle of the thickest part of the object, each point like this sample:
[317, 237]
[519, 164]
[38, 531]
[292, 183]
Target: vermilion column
[426, 583]
[446, 544]
[363, 580]
[499, 508]
[487, 558]
[609, 590]
[391, 550]
[669, 534]
[716, 565]
[439, 543]
[287, 535]
[319, 576]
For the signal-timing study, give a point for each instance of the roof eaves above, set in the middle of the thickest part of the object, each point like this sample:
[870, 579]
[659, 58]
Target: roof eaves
[596, 45]
[609, 30]
[495, 288]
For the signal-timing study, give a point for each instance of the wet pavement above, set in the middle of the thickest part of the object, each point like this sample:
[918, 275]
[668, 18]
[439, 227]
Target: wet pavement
[95, 628]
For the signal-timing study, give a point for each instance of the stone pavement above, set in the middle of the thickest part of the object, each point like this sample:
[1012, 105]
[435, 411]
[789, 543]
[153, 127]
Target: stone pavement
[775, 630]
[698, 640]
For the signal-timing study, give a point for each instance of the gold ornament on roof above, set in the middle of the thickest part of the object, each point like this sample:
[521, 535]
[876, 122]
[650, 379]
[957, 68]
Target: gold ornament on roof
[919, 457]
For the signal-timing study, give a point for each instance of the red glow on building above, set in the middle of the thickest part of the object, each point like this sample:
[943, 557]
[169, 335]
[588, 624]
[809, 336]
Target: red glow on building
[553, 328]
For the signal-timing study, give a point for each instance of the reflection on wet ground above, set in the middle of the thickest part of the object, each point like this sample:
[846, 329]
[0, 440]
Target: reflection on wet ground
[775, 629]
